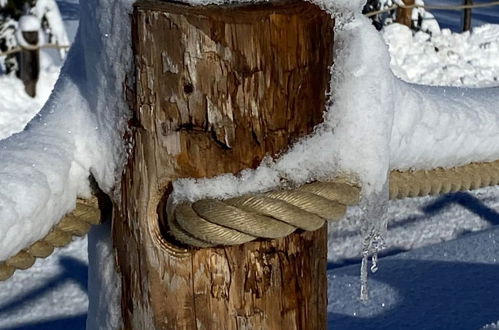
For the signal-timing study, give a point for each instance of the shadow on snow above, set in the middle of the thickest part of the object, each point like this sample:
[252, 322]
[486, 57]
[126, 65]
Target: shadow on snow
[73, 270]
[430, 295]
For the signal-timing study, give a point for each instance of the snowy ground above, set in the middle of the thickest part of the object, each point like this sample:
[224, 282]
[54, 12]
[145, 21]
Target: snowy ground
[446, 279]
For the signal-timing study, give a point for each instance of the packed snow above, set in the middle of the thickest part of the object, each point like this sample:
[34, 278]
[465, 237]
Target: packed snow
[100, 117]
[447, 59]
[76, 134]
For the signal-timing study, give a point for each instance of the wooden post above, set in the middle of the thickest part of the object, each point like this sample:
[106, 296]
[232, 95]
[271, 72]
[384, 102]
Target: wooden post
[404, 15]
[467, 15]
[217, 89]
[29, 63]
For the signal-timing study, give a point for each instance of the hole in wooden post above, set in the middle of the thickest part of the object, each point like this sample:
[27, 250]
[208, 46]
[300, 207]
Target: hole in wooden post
[162, 231]
[188, 88]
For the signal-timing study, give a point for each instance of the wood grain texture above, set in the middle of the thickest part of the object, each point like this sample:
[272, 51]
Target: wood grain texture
[218, 89]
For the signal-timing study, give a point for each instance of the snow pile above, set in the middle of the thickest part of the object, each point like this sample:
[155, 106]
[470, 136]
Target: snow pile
[41, 173]
[456, 59]
[104, 284]
[77, 133]
[491, 326]
[29, 23]
[16, 107]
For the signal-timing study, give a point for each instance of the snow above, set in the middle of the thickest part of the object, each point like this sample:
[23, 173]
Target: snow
[77, 133]
[90, 109]
[445, 286]
[356, 127]
[467, 59]
[104, 284]
[16, 107]
[53, 289]
[49, 10]
[29, 23]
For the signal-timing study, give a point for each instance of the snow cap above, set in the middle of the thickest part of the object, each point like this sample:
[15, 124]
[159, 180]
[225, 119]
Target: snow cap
[29, 23]
[341, 8]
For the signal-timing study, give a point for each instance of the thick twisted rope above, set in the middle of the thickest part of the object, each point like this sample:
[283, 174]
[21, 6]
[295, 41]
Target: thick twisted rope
[275, 214]
[210, 222]
[76, 223]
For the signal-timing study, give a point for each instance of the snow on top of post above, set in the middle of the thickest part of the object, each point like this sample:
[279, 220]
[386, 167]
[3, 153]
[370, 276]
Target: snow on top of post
[29, 23]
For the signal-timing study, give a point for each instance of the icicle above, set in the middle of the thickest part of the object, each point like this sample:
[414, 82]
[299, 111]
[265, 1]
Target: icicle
[373, 228]
[364, 292]
[374, 261]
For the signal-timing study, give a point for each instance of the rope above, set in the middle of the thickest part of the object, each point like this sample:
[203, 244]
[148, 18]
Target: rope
[210, 222]
[207, 223]
[76, 223]
[443, 181]
[19, 49]
[274, 214]
[436, 7]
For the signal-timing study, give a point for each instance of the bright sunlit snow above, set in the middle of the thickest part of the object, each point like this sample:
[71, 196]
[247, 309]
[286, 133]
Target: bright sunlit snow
[460, 60]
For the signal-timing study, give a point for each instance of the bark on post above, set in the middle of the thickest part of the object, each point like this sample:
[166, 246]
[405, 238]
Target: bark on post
[404, 15]
[218, 88]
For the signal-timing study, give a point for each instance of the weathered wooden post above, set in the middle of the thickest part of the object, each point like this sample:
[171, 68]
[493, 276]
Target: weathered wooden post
[217, 89]
[467, 15]
[29, 57]
[404, 15]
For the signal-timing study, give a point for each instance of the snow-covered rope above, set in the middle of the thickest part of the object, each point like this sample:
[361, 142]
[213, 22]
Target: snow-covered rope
[435, 7]
[211, 222]
[275, 214]
[76, 223]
